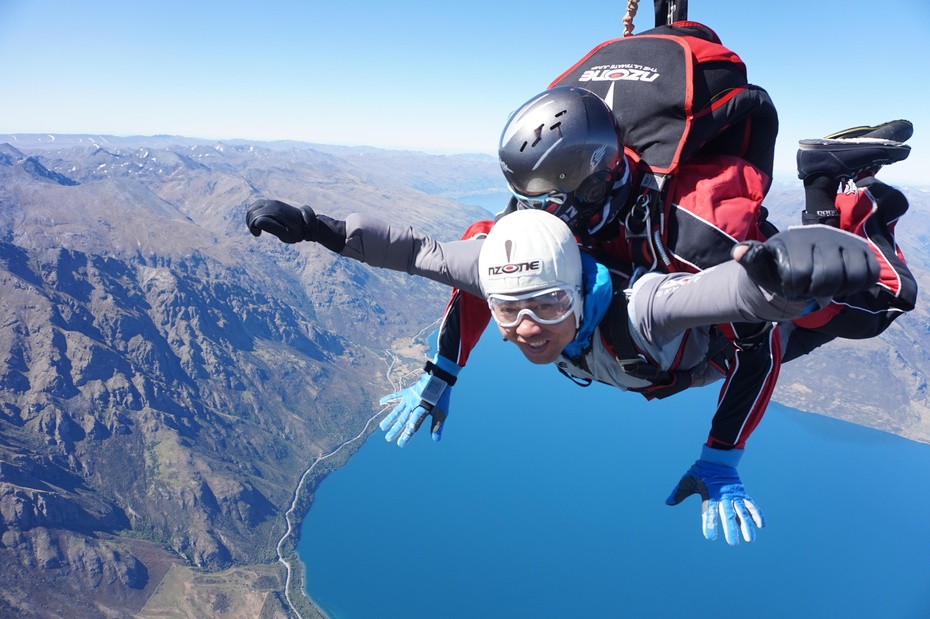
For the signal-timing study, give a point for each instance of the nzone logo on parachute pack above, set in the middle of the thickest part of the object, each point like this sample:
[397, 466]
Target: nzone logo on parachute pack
[617, 72]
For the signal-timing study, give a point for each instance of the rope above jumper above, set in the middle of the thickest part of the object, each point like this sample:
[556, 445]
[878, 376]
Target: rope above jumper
[631, 7]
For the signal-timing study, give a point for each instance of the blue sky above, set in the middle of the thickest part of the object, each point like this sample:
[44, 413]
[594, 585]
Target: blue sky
[433, 76]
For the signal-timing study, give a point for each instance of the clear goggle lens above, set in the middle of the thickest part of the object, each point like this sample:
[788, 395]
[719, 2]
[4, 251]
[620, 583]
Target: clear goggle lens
[546, 307]
[550, 202]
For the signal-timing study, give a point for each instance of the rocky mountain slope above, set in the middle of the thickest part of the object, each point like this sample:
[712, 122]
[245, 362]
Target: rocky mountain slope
[165, 378]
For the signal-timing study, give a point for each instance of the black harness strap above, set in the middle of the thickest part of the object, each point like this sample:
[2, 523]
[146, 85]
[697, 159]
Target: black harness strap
[614, 331]
[615, 334]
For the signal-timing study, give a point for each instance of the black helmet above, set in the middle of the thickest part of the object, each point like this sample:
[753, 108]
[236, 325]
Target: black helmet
[562, 152]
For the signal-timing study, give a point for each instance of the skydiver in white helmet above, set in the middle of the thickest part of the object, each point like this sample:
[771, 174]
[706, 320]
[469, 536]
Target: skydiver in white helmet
[559, 305]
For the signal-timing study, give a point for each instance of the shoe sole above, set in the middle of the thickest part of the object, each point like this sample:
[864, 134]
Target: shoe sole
[895, 130]
[853, 144]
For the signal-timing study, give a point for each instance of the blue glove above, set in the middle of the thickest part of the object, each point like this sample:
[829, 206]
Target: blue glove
[714, 477]
[428, 396]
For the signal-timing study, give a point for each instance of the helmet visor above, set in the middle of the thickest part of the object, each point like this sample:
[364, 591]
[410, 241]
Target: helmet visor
[546, 307]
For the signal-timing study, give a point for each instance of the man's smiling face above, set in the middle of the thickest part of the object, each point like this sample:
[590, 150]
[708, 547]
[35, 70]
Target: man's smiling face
[541, 343]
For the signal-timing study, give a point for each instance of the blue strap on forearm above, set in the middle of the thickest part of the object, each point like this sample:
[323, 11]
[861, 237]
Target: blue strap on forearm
[725, 457]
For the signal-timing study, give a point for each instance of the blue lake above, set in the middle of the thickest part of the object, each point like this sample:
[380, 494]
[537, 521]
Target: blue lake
[493, 202]
[545, 499]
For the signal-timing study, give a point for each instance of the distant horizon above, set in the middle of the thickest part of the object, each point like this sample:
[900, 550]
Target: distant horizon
[779, 177]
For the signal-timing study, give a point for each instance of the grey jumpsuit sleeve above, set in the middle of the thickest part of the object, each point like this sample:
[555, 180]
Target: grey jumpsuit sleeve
[401, 248]
[662, 307]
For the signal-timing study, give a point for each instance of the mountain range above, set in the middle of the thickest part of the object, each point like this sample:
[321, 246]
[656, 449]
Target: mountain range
[166, 379]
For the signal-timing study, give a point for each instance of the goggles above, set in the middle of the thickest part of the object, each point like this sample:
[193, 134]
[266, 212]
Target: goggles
[547, 307]
[550, 202]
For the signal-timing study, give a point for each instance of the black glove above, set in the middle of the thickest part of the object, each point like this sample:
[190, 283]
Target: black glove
[292, 225]
[288, 223]
[811, 262]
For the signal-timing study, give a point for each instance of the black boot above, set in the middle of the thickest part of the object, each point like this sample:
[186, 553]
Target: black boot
[848, 153]
[846, 158]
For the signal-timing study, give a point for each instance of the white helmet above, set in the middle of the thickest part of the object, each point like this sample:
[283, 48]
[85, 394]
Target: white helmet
[531, 250]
